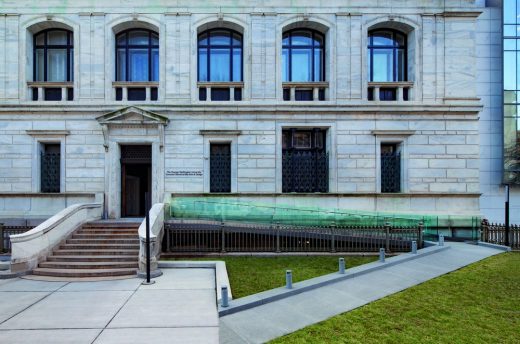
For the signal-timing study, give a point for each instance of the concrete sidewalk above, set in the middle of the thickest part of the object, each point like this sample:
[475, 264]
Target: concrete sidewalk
[179, 308]
[263, 323]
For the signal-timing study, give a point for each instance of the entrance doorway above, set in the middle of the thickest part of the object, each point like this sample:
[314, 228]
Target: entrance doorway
[136, 179]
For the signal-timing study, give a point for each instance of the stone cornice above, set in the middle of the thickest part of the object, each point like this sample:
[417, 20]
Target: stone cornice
[393, 132]
[220, 132]
[47, 132]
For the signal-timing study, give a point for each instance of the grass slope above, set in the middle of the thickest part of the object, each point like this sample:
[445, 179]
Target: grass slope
[251, 275]
[477, 304]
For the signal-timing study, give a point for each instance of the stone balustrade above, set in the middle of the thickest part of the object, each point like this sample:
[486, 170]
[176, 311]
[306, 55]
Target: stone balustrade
[220, 91]
[135, 90]
[51, 91]
[304, 91]
[390, 91]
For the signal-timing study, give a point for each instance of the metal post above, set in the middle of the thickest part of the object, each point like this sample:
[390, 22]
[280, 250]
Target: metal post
[382, 255]
[1, 237]
[420, 234]
[147, 207]
[387, 232]
[278, 238]
[223, 236]
[507, 215]
[441, 239]
[288, 279]
[225, 296]
[333, 237]
[414, 247]
[342, 266]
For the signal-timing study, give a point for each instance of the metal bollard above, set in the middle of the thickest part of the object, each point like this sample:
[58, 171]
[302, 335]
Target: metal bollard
[288, 279]
[382, 255]
[441, 239]
[414, 247]
[225, 296]
[342, 266]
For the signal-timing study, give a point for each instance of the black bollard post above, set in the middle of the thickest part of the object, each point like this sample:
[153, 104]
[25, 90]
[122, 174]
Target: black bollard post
[147, 207]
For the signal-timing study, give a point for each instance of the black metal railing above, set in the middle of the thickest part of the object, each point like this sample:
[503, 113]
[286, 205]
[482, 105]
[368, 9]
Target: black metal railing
[305, 171]
[495, 233]
[391, 172]
[50, 172]
[6, 231]
[202, 236]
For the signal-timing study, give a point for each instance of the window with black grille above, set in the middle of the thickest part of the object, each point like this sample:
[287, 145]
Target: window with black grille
[305, 161]
[220, 167]
[390, 168]
[50, 167]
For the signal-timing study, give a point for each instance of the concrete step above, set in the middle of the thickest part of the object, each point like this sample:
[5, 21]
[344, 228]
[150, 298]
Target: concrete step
[105, 236]
[115, 225]
[96, 252]
[92, 258]
[84, 272]
[99, 246]
[96, 241]
[107, 231]
[90, 265]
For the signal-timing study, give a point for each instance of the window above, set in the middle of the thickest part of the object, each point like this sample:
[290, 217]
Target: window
[305, 161]
[220, 167]
[303, 56]
[390, 168]
[50, 167]
[220, 56]
[137, 55]
[387, 56]
[53, 61]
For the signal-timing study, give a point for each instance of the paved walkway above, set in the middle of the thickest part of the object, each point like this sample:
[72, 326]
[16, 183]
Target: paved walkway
[275, 319]
[179, 308]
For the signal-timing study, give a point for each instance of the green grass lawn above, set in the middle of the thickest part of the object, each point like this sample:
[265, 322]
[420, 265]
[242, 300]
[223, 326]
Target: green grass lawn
[477, 304]
[251, 275]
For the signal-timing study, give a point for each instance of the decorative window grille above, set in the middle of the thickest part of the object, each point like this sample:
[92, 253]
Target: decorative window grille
[220, 167]
[50, 168]
[390, 168]
[305, 161]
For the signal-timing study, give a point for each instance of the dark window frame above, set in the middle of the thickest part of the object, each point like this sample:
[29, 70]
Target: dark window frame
[231, 46]
[313, 47]
[395, 49]
[46, 46]
[128, 46]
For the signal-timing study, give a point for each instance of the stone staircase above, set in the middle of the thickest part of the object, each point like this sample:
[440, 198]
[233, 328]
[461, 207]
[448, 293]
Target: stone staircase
[96, 250]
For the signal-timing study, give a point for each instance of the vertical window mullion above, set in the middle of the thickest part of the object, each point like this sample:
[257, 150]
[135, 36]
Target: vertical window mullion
[45, 56]
[150, 56]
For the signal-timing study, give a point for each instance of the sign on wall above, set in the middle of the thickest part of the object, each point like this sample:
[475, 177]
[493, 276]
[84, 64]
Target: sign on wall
[184, 173]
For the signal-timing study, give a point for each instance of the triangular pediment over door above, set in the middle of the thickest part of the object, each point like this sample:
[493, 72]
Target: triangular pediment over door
[132, 116]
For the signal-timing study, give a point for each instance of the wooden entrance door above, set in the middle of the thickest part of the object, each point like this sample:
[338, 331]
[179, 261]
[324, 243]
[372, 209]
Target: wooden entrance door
[136, 179]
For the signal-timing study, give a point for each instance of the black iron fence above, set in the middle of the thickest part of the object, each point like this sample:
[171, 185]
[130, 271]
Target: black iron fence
[201, 236]
[305, 171]
[495, 233]
[6, 231]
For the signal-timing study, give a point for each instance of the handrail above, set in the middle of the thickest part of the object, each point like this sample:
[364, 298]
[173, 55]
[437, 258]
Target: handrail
[30, 248]
[156, 221]
[52, 222]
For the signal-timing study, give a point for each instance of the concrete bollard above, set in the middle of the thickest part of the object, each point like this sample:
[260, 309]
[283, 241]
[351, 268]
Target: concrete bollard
[382, 255]
[288, 279]
[414, 247]
[441, 239]
[225, 296]
[342, 266]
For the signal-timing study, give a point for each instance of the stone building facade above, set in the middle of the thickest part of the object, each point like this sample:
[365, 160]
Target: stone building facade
[192, 124]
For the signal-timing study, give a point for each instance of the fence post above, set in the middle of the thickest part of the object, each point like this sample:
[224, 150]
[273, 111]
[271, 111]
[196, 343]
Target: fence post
[278, 238]
[420, 235]
[484, 230]
[333, 237]
[223, 236]
[1, 237]
[387, 232]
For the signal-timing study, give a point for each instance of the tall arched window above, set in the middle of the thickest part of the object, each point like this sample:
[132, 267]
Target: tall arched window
[53, 56]
[303, 56]
[387, 56]
[220, 56]
[137, 55]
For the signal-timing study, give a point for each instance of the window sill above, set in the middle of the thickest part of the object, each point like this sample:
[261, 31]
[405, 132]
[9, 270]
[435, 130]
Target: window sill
[223, 84]
[308, 85]
[129, 84]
